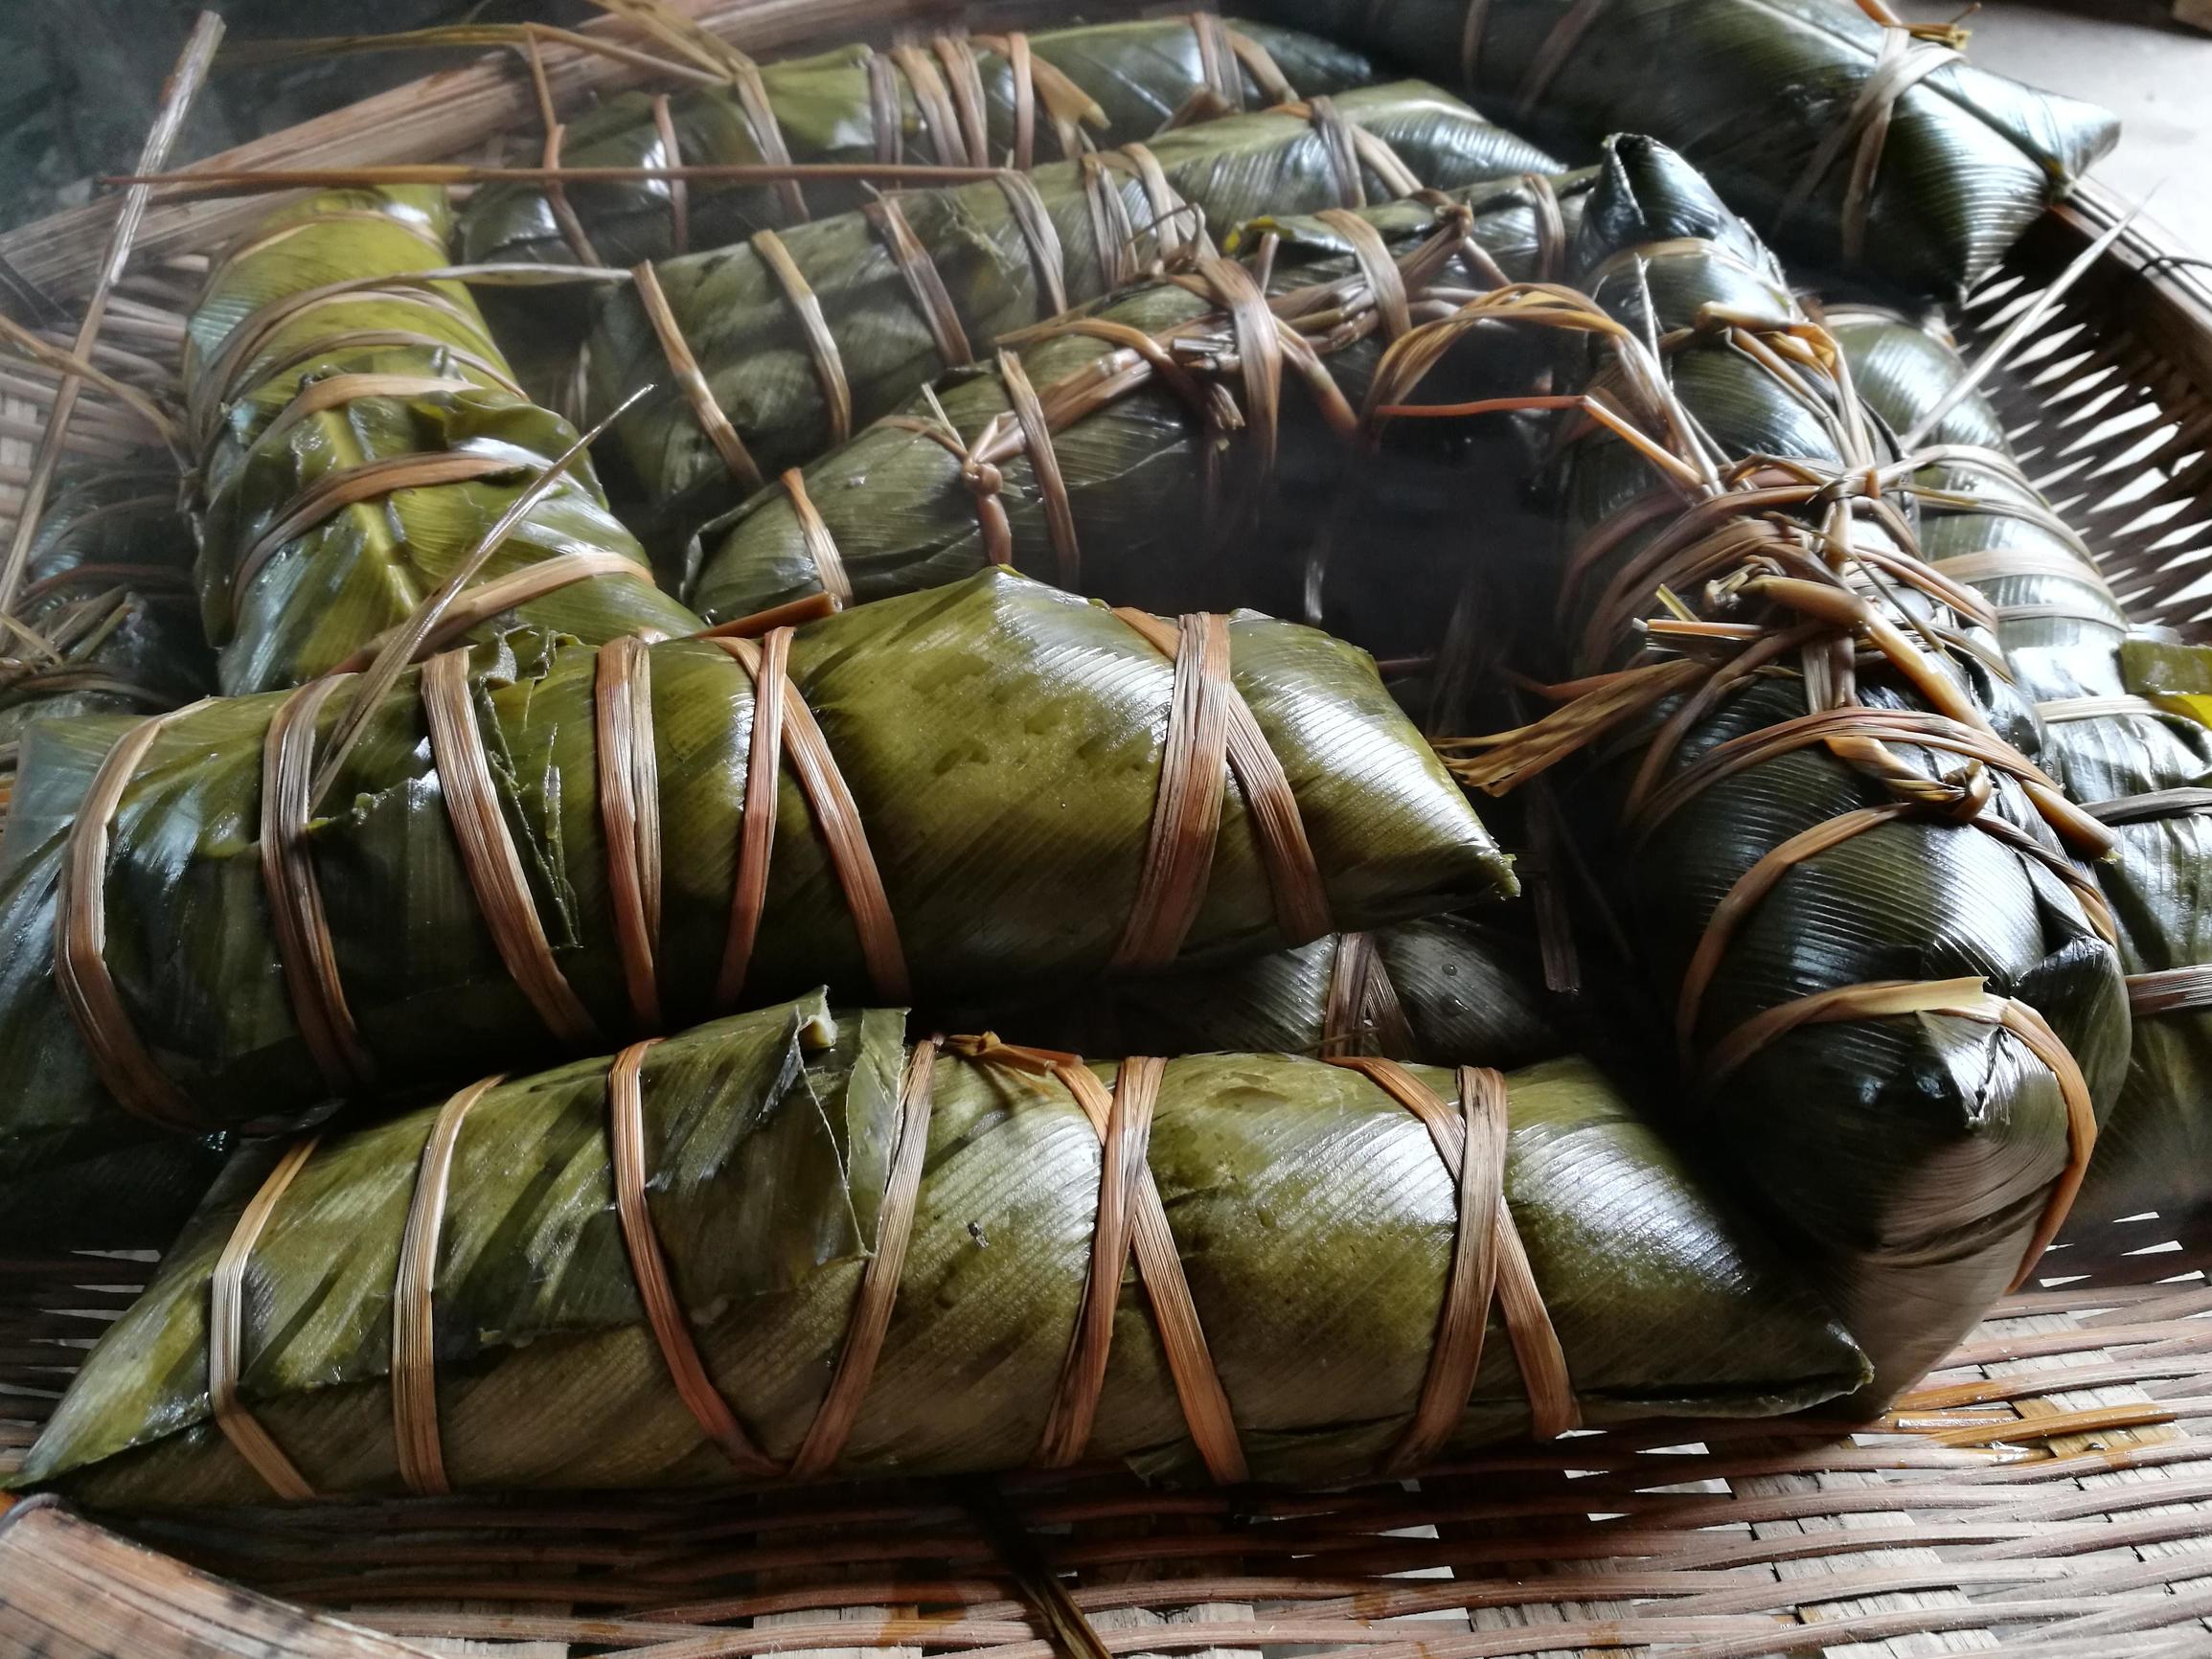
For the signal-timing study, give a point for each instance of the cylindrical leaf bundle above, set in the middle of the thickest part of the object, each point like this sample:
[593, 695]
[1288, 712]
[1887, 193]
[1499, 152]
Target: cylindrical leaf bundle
[952, 100]
[1887, 977]
[2141, 765]
[361, 434]
[1184, 447]
[787, 1246]
[993, 788]
[802, 336]
[108, 593]
[1852, 139]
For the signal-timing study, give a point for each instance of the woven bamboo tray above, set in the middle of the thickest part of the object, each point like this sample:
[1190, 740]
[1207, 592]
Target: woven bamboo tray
[2047, 1493]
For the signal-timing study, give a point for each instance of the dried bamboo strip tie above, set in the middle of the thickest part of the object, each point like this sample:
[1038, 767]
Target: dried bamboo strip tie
[2000, 563]
[1551, 226]
[1361, 1004]
[416, 1439]
[221, 383]
[679, 190]
[259, 241]
[1335, 135]
[790, 614]
[837, 816]
[1301, 898]
[1204, 1403]
[2157, 804]
[1384, 280]
[1044, 467]
[1487, 1260]
[821, 546]
[2170, 990]
[150, 581]
[564, 215]
[1019, 64]
[119, 1056]
[983, 481]
[1217, 65]
[298, 923]
[759, 112]
[933, 104]
[648, 1267]
[1915, 727]
[1470, 32]
[1113, 235]
[629, 779]
[1260, 340]
[1551, 56]
[318, 397]
[41, 683]
[691, 382]
[488, 854]
[1966, 998]
[328, 347]
[1121, 1172]
[1034, 220]
[226, 1315]
[1735, 905]
[963, 81]
[814, 328]
[1905, 60]
[1130, 1216]
[871, 1302]
[2052, 610]
[1169, 208]
[481, 601]
[757, 823]
[886, 115]
[348, 487]
[1259, 63]
[1187, 812]
[2065, 710]
[888, 219]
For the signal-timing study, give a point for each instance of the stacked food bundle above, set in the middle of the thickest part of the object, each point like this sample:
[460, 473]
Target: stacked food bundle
[106, 604]
[798, 338]
[2118, 731]
[815, 882]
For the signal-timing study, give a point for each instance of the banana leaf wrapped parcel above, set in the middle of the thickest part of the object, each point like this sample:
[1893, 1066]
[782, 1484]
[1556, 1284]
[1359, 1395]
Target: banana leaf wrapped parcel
[952, 100]
[790, 1246]
[989, 788]
[1855, 140]
[359, 434]
[108, 597]
[2141, 764]
[1182, 446]
[1891, 985]
[796, 337]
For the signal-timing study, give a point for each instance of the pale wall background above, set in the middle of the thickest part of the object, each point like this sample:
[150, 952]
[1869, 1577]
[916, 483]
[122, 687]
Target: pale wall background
[2130, 57]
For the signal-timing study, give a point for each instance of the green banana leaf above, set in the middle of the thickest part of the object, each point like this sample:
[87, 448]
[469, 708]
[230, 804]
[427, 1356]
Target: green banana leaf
[1779, 101]
[296, 581]
[2136, 764]
[1175, 504]
[1313, 1215]
[1445, 990]
[97, 1181]
[735, 313]
[1124, 81]
[1002, 744]
[1908, 1159]
[107, 591]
